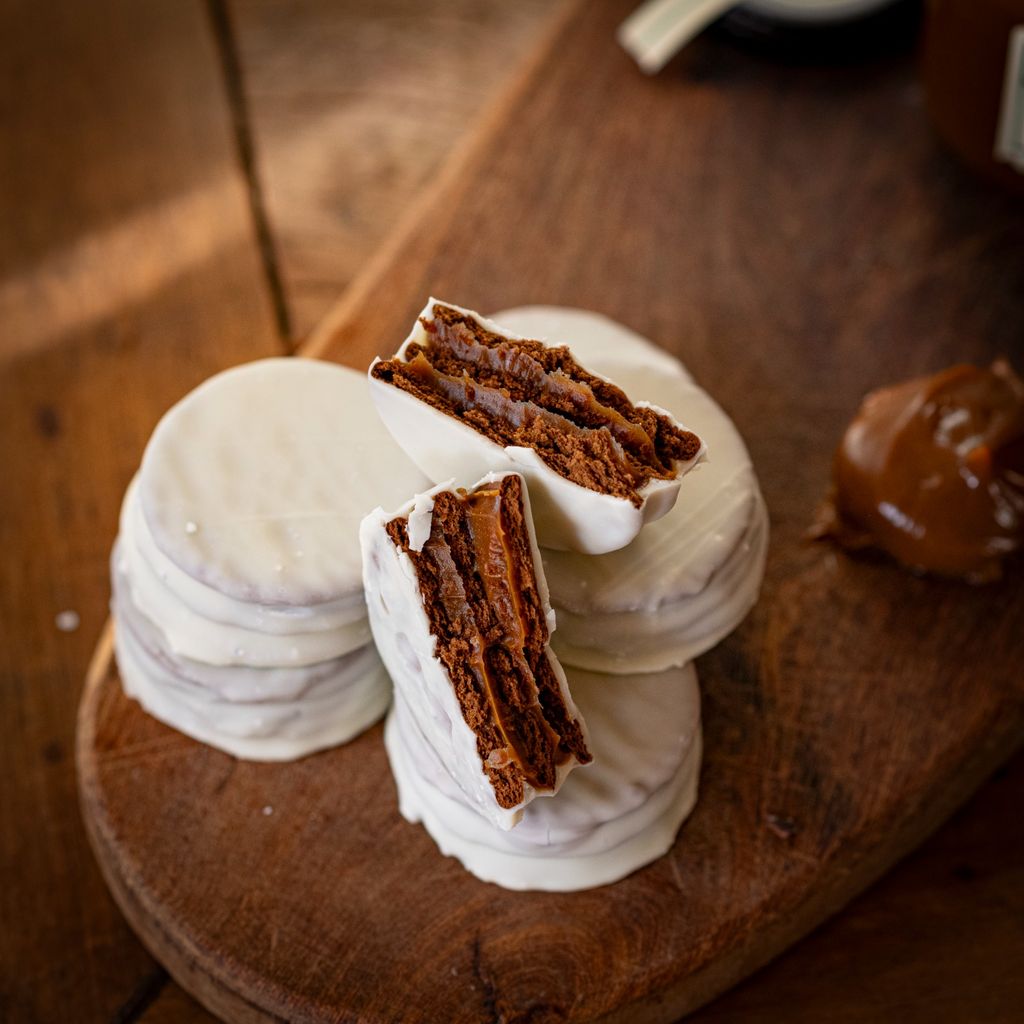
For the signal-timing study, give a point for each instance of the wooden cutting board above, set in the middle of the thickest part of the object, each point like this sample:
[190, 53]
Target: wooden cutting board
[794, 234]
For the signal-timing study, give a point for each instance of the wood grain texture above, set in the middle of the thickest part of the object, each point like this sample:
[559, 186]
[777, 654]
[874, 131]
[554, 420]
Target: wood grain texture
[857, 702]
[173, 1005]
[939, 938]
[127, 274]
[353, 109]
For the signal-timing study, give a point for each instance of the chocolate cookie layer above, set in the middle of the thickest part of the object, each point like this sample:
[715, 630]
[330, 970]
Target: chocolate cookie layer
[479, 588]
[523, 393]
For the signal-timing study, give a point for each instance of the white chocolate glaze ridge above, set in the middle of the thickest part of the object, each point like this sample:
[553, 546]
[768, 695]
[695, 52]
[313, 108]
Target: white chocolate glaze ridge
[238, 683]
[255, 483]
[266, 731]
[676, 632]
[194, 635]
[227, 629]
[621, 813]
[212, 604]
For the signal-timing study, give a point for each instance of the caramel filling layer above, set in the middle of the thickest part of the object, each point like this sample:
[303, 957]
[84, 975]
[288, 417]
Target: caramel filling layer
[479, 587]
[524, 393]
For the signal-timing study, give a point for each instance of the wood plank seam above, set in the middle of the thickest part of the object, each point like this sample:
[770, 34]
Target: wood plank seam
[456, 168]
[142, 997]
[245, 147]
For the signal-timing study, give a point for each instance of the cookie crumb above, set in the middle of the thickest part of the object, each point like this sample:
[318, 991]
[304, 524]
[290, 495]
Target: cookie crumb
[67, 621]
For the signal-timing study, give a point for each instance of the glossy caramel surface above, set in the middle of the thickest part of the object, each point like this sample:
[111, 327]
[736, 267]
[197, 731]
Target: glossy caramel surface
[932, 471]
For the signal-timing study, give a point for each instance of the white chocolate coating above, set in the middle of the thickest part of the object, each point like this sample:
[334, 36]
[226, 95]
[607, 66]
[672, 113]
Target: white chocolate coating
[237, 579]
[401, 629]
[677, 631]
[237, 683]
[326, 714]
[254, 484]
[566, 515]
[262, 714]
[169, 597]
[622, 812]
[687, 580]
[211, 604]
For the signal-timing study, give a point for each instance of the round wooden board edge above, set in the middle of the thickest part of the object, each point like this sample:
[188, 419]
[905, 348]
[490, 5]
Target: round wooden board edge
[181, 963]
[680, 996]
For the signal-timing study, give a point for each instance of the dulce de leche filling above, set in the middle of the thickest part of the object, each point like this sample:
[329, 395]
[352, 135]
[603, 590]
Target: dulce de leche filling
[477, 578]
[526, 394]
[932, 471]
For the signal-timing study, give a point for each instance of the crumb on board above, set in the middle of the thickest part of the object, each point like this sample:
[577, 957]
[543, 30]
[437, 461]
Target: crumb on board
[67, 621]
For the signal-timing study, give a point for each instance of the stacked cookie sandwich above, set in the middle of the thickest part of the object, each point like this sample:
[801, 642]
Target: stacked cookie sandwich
[646, 564]
[560, 530]
[238, 595]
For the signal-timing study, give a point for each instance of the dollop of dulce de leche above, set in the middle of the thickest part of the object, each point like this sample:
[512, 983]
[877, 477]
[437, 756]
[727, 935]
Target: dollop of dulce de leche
[932, 472]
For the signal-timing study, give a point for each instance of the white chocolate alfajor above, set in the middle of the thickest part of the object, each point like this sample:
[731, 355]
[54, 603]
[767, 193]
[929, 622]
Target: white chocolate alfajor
[687, 580]
[202, 624]
[237, 578]
[258, 714]
[459, 609]
[619, 814]
[255, 483]
[464, 396]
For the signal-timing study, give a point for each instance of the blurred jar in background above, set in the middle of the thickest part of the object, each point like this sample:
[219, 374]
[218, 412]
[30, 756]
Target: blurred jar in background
[827, 31]
[973, 69]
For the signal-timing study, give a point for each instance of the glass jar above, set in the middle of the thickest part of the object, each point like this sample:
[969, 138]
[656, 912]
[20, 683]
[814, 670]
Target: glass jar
[973, 70]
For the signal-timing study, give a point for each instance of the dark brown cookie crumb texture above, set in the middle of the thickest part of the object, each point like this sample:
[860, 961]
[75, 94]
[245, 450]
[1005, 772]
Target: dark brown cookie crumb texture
[527, 394]
[477, 577]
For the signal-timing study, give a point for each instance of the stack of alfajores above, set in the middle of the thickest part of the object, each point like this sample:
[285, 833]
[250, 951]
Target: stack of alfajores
[644, 566]
[538, 609]
[238, 594]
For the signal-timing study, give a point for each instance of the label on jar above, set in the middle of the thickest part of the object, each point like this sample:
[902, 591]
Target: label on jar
[1010, 130]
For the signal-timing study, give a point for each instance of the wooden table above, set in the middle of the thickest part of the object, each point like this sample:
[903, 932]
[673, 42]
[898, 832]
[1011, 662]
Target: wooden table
[162, 217]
